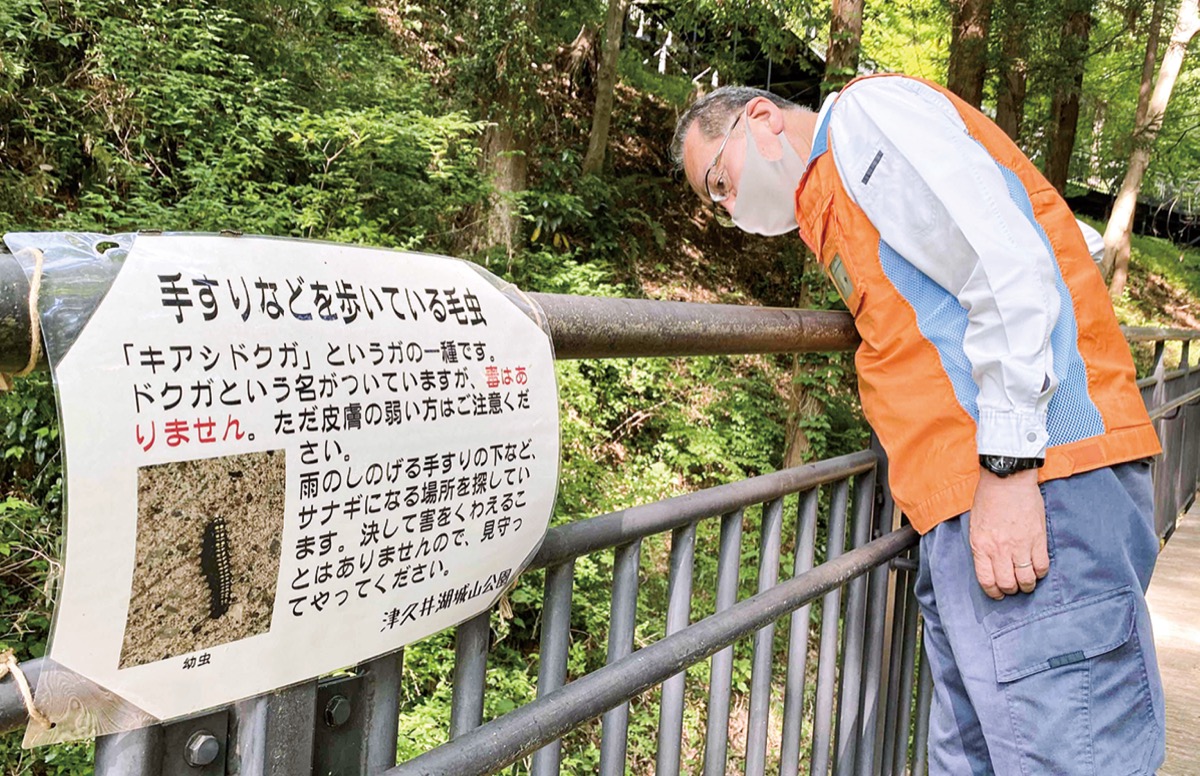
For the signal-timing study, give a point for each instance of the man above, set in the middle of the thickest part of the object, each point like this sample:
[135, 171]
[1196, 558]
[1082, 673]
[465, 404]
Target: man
[996, 377]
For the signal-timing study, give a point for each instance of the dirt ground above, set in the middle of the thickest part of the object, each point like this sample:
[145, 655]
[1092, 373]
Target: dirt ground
[171, 609]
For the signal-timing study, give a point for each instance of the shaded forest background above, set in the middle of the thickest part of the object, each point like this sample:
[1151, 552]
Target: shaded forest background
[531, 137]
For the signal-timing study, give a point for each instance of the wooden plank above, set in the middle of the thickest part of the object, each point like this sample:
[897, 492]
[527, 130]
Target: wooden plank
[1174, 600]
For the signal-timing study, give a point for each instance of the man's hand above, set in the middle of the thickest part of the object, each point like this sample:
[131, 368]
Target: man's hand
[1008, 533]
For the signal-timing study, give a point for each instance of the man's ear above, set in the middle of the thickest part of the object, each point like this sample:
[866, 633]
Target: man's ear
[763, 109]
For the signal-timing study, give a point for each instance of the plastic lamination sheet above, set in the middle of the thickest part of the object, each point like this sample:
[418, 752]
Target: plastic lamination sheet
[282, 457]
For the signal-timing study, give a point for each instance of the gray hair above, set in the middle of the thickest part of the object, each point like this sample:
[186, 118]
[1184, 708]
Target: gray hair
[714, 112]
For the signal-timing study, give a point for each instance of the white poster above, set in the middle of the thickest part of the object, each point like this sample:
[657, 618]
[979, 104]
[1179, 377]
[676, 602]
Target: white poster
[284, 458]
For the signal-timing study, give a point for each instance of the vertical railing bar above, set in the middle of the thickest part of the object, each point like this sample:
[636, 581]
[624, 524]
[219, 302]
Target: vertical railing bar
[907, 658]
[873, 668]
[555, 645]
[132, 753]
[274, 734]
[716, 739]
[679, 616]
[471, 640]
[383, 710]
[798, 627]
[1178, 445]
[1161, 470]
[850, 695]
[1186, 484]
[831, 605]
[921, 734]
[764, 641]
[614, 725]
[892, 699]
[879, 679]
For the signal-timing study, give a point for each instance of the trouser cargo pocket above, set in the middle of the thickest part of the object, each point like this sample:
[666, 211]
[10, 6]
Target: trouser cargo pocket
[1075, 681]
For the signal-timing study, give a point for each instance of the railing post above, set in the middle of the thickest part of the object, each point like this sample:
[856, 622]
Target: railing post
[679, 615]
[555, 646]
[850, 694]
[273, 734]
[764, 641]
[382, 701]
[614, 725]
[132, 753]
[831, 607]
[908, 656]
[874, 661]
[470, 673]
[1162, 507]
[716, 739]
[798, 628]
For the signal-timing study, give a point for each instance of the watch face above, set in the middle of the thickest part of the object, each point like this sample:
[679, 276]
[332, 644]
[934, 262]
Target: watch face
[1004, 465]
[1000, 464]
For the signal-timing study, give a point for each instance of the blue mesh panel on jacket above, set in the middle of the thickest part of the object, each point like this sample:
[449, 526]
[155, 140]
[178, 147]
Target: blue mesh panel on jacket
[941, 320]
[1072, 414]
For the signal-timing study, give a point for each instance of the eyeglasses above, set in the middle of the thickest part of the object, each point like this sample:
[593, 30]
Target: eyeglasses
[716, 184]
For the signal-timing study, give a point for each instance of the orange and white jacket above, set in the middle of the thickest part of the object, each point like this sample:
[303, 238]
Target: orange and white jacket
[986, 327]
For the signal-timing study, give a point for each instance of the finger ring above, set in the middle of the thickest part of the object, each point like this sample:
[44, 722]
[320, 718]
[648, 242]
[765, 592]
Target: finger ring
[1022, 565]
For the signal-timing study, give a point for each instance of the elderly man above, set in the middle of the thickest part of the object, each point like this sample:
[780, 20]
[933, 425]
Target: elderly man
[996, 377]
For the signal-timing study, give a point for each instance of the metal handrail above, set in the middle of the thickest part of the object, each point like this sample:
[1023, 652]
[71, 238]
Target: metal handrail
[570, 541]
[601, 327]
[520, 732]
[1154, 334]
[580, 326]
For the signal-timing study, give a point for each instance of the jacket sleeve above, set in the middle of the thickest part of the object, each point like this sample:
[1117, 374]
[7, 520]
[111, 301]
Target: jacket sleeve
[940, 201]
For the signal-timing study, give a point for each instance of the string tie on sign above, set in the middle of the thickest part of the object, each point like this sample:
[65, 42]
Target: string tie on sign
[35, 323]
[9, 665]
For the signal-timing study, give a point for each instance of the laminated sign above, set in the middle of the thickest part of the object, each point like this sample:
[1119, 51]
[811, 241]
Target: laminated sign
[282, 458]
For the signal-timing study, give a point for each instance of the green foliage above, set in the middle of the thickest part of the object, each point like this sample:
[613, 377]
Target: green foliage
[910, 36]
[675, 89]
[30, 528]
[1110, 97]
[367, 123]
[226, 115]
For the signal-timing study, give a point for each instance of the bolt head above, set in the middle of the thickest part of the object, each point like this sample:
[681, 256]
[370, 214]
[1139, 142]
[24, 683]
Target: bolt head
[202, 749]
[337, 711]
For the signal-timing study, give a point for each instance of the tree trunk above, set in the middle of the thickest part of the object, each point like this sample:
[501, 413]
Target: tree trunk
[1096, 160]
[968, 48]
[845, 44]
[507, 30]
[802, 402]
[606, 81]
[1117, 234]
[1148, 63]
[1014, 69]
[1064, 111]
[506, 166]
[1118, 239]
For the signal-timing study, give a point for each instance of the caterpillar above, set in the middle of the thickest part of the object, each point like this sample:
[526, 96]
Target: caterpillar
[214, 565]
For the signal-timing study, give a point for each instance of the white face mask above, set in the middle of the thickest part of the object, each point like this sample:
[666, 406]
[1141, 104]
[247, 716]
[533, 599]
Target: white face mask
[766, 202]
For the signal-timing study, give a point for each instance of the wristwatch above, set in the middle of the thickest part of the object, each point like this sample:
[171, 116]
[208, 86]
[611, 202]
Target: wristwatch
[1004, 465]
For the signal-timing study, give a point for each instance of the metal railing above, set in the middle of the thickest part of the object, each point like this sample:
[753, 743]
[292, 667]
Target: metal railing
[850, 665]
[865, 696]
[1172, 396]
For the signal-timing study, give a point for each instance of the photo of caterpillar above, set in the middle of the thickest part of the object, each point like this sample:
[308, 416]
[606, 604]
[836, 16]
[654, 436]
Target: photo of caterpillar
[214, 563]
[207, 555]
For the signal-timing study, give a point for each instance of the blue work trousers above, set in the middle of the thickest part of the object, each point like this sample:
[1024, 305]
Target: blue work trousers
[1063, 680]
